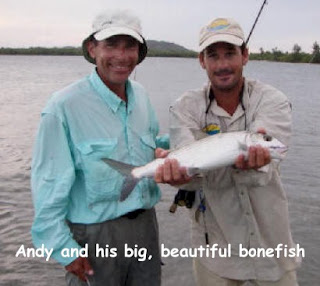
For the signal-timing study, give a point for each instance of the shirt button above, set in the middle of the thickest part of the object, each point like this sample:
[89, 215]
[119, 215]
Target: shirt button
[252, 233]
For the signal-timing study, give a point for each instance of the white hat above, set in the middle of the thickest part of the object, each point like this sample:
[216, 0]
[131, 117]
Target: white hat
[111, 23]
[221, 30]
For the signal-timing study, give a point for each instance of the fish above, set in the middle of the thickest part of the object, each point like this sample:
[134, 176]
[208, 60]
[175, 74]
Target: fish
[212, 152]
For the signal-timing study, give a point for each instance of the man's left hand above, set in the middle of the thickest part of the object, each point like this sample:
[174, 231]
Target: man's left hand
[257, 158]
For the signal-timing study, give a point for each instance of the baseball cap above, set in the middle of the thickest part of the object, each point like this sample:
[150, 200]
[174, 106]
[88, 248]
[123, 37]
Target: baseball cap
[112, 23]
[221, 30]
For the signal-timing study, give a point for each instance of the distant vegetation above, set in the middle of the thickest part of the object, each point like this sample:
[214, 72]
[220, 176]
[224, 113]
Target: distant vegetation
[296, 56]
[155, 49]
[64, 51]
[165, 49]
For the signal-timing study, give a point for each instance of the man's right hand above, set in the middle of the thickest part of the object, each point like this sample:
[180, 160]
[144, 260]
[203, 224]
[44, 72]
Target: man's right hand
[80, 267]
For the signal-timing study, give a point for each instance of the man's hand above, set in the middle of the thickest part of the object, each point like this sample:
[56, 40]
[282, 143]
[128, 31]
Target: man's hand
[80, 267]
[170, 172]
[161, 153]
[257, 157]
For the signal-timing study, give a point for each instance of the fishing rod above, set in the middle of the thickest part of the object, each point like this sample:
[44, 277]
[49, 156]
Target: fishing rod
[255, 22]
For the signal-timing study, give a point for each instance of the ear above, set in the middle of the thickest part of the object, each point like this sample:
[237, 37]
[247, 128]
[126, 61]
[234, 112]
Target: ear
[201, 60]
[91, 47]
[245, 56]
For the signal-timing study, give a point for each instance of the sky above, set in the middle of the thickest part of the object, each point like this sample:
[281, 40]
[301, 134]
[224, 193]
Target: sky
[58, 23]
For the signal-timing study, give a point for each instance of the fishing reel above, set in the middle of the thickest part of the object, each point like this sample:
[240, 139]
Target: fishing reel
[183, 198]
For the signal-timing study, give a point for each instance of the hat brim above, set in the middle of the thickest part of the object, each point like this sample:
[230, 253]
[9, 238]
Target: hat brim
[225, 38]
[85, 50]
[113, 31]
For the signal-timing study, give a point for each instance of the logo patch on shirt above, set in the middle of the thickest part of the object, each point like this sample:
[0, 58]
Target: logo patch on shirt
[211, 129]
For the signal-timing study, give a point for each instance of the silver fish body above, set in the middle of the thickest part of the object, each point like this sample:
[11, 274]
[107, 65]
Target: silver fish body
[207, 154]
[214, 152]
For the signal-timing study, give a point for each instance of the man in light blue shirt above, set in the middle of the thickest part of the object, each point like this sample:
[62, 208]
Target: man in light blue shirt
[75, 194]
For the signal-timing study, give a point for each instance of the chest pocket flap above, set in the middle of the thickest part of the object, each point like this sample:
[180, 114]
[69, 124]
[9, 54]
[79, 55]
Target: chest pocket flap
[102, 182]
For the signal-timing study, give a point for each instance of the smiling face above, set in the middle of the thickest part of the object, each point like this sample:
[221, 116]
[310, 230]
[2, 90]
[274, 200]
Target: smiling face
[224, 64]
[116, 57]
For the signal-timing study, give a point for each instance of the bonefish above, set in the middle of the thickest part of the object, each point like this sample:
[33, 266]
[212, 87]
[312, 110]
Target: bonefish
[203, 155]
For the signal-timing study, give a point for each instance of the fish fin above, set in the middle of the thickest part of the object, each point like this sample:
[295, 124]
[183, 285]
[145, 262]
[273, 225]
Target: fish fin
[129, 184]
[122, 168]
[126, 170]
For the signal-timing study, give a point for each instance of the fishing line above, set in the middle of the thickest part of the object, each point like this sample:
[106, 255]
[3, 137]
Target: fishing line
[256, 20]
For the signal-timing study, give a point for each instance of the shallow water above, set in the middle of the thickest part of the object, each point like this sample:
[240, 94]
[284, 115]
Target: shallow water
[28, 81]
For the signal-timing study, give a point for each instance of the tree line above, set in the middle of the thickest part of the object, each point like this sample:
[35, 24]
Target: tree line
[68, 51]
[296, 56]
[74, 51]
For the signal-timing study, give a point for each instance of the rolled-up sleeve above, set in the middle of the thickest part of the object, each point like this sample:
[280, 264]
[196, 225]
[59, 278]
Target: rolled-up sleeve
[52, 177]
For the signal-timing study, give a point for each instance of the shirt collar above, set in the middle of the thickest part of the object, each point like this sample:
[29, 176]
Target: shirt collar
[108, 96]
[218, 111]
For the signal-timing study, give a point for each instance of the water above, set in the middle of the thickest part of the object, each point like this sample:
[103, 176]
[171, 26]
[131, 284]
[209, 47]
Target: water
[28, 81]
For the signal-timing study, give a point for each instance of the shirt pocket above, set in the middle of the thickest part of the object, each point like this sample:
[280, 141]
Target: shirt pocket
[148, 146]
[101, 181]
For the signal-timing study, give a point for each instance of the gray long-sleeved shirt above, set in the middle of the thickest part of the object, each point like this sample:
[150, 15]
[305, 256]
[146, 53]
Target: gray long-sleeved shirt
[246, 208]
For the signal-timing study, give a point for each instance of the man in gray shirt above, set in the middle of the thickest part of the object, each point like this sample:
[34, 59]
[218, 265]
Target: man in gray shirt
[241, 207]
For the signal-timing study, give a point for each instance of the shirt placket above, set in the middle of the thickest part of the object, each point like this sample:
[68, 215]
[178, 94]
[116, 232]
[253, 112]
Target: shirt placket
[123, 113]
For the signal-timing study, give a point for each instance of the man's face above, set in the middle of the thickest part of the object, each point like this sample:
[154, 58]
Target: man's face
[116, 57]
[224, 64]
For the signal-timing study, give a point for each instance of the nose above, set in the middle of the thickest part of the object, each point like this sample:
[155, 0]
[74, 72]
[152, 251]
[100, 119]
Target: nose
[222, 63]
[121, 51]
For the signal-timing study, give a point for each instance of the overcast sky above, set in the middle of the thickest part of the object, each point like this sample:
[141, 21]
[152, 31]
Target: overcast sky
[283, 23]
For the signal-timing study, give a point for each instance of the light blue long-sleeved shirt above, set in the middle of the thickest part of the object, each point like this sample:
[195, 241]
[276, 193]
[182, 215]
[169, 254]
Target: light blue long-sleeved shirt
[81, 124]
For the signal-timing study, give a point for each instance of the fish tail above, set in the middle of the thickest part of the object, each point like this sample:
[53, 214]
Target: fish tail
[126, 170]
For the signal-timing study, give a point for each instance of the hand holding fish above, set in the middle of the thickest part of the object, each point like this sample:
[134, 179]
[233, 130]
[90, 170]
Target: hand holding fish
[170, 172]
[257, 158]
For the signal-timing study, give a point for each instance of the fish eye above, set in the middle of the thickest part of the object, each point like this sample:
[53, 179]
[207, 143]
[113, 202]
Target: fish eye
[267, 137]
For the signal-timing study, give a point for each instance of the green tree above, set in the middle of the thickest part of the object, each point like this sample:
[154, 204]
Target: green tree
[296, 49]
[316, 53]
[296, 53]
[276, 54]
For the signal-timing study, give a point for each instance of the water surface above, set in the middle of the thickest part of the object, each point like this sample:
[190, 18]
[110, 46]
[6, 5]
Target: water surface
[28, 81]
